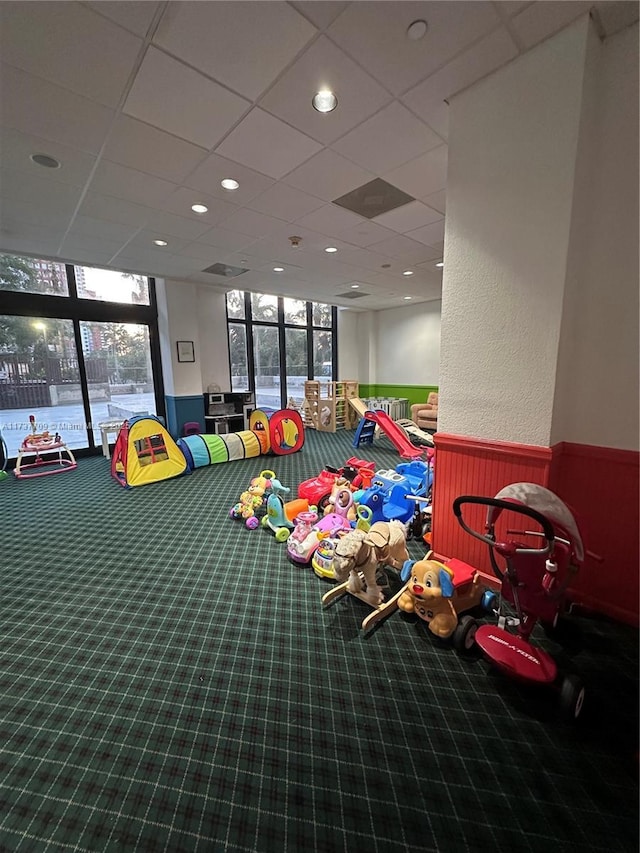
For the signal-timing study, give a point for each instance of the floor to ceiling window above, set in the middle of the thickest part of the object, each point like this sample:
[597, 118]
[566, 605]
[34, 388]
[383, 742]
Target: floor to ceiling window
[277, 343]
[78, 347]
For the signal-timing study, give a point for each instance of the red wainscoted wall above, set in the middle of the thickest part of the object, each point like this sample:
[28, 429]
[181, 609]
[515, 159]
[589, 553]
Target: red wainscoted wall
[600, 485]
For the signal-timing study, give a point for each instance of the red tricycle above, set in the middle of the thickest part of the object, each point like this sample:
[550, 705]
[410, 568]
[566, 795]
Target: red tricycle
[534, 567]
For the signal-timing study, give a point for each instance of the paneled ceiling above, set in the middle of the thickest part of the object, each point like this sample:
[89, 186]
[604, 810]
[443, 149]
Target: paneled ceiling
[148, 106]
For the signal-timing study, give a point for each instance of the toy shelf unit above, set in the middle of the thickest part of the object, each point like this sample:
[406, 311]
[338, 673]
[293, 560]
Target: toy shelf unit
[228, 412]
[326, 407]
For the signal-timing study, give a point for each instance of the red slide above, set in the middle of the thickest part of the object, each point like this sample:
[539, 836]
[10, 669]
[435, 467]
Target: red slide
[395, 434]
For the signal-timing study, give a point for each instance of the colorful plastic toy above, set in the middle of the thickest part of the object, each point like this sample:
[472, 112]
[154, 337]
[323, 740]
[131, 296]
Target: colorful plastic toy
[438, 591]
[534, 566]
[280, 515]
[386, 496]
[304, 542]
[317, 490]
[252, 499]
[34, 446]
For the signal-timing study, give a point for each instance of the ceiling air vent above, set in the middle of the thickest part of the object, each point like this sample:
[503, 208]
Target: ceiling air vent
[225, 270]
[374, 198]
[352, 294]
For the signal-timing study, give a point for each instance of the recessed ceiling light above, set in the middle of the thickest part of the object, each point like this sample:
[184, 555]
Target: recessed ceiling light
[161, 242]
[278, 269]
[199, 208]
[408, 272]
[331, 249]
[229, 184]
[46, 161]
[355, 286]
[407, 297]
[324, 101]
[440, 264]
[417, 30]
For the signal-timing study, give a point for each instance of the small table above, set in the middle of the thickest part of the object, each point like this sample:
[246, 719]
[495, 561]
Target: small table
[106, 428]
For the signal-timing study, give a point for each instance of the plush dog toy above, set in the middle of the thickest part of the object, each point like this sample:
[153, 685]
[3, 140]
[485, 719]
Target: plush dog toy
[361, 552]
[429, 595]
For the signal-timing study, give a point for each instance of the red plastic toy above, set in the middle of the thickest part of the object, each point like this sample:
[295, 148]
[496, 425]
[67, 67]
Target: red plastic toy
[317, 490]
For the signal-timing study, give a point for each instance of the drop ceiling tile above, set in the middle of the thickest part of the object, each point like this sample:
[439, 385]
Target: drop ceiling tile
[616, 16]
[366, 233]
[89, 250]
[143, 241]
[330, 220]
[438, 201]
[31, 188]
[100, 206]
[407, 251]
[285, 202]
[115, 231]
[30, 239]
[430, 235]
[391, 137]
[430, 265]
[180, 201]
[509, 8]
[130, 184]
[17, 147]
[133, 15]
[208, 175]
[32, 105]
[201, 252]
[242, 45]
[157, 96]
[328, 175]
[104, 54]
[224, 239]
[177, 226]
[40, 210]
[427, 99]
[252, 223]
[320, 14]
[410, 216]
[325, 66]
[541, 20]
[267, 144]
[140, 146]
[374, 34]
[422, 176]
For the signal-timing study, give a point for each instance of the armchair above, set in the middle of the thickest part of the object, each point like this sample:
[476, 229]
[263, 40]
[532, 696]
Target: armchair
[425, 415]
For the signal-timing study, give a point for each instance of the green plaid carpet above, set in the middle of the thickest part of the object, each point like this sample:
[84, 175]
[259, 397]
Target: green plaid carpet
[170, 682]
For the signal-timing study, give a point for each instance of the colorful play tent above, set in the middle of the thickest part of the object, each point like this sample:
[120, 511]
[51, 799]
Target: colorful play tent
[280, 433]
[145, 453]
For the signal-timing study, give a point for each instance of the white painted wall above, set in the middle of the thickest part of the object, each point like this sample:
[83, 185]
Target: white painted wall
[212, 332]
[349, 349]
[512, 149]
[597, 390]
[407, 345]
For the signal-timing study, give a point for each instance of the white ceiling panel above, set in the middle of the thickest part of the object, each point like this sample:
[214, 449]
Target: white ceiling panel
[133, 15]
[157, 96]
[114, 231]
[366, 233]
[252, 223]
[242, 45]
[90, 250]
[374, 34]
[177, 226]
[287, 147]
[38, 211]
[324, 66]
[328, 175]
[285, 202]
[540, 20]
[104, 54]
[35, 106]
[130, 184]
[431, 235]
[17, 148]
[408, 217]
[422, 176]
[427, 99]
[409, 251]
[330, 220]
[320, 14]
[140, 146]
[180, 202]
[391, 137]
[226, 240]
[438, 201]
[209, 174]
[112, 209]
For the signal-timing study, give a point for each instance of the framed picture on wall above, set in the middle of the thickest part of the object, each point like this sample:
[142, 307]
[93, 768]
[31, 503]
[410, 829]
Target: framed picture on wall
[186, 351]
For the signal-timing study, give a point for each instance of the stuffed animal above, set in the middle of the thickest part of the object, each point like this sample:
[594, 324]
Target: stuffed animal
[358, 554]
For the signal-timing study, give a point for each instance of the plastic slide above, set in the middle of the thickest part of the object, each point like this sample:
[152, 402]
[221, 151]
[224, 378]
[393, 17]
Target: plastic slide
[395, 434]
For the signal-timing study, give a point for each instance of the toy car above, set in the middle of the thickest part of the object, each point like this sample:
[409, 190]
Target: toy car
[317, 490]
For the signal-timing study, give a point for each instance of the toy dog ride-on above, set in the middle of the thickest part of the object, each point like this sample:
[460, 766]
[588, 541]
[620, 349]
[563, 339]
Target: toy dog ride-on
[439, 590]
[538, 566]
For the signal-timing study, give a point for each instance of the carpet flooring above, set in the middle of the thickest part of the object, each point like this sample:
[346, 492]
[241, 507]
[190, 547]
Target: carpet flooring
[170, 682]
